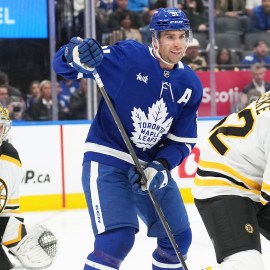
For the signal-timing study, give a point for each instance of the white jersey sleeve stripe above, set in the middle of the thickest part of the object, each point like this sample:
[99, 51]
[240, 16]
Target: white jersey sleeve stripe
[93, 147]
[181, 139]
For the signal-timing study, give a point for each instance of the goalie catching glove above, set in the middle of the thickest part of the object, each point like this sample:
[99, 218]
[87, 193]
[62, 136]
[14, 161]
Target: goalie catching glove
[36, 249]
[84, 55]
[156, 174]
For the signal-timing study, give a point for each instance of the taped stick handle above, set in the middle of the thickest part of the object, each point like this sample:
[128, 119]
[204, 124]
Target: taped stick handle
[139, 167]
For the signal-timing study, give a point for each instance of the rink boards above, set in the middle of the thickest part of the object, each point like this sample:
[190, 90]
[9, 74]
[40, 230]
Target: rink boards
[51, 154]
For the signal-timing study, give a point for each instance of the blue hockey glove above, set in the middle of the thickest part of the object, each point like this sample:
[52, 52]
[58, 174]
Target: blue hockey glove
[156, 174]
[135, 179]
[84, 55]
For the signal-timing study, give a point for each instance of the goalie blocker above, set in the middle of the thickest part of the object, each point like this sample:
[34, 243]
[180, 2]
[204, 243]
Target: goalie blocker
[34, 246]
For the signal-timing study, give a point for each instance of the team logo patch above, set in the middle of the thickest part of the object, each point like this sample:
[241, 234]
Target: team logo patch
[3, 194]
[249, 228]
[150, 127]
[166, 73]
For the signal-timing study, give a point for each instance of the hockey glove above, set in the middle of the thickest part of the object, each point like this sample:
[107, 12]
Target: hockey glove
[84, 55]
[156, 174]
[135, 179]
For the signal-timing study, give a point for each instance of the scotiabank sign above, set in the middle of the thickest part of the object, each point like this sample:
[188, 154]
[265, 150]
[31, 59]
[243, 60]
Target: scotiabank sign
[228, 86]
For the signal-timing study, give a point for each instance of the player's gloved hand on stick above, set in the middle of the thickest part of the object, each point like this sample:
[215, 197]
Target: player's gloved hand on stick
[156, 174]
[84, 55]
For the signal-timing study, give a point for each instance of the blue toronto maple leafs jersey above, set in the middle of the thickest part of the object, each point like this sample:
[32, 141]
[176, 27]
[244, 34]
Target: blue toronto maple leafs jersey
[157, 107]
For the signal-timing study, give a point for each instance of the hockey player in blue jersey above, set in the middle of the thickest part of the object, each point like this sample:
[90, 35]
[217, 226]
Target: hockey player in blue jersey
[156, 97]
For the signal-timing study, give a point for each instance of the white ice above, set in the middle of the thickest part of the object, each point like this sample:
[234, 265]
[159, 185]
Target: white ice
[73, 230]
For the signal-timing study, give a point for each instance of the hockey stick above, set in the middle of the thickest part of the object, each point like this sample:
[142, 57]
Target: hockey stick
[139, 167]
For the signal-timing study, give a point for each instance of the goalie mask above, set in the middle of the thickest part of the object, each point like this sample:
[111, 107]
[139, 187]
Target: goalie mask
[5, 123]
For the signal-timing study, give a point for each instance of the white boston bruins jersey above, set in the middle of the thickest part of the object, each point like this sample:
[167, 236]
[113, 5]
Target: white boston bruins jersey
[11, 175]
[235, 158]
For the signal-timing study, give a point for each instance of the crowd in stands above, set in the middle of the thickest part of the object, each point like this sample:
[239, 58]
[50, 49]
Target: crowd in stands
[242, 41]
[37, 104]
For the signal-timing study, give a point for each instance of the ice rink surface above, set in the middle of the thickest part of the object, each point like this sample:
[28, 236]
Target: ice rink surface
[73, 230]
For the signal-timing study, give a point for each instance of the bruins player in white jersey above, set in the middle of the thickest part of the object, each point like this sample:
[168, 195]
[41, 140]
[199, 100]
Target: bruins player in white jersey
[232, 186]
[34, 246]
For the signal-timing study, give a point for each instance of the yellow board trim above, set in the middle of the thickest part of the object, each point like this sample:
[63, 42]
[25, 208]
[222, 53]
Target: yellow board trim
[72, 201]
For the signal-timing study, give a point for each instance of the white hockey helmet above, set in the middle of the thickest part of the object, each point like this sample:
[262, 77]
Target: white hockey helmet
[5, 123]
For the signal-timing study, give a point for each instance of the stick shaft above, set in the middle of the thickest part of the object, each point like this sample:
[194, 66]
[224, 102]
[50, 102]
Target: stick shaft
[139, 167]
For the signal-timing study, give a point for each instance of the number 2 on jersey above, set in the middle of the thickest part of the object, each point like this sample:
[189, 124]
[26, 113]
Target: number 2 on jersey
[238, 131]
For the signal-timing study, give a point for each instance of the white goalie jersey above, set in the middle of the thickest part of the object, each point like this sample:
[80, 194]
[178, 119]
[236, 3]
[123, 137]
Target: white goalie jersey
[235, 158]
[11, 175]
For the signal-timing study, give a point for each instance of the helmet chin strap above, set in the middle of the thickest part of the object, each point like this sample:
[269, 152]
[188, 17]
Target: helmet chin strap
[157, 54]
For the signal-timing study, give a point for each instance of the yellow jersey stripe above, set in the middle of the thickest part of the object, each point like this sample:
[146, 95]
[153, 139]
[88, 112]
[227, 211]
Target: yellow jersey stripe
[214, 182]
[11, 159]
[228, 170]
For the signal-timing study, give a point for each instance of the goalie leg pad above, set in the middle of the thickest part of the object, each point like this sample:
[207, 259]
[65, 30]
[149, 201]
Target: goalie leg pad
[37, 249]
[5, 263]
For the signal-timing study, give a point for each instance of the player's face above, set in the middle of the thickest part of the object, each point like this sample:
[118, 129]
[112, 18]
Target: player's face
[172, 45]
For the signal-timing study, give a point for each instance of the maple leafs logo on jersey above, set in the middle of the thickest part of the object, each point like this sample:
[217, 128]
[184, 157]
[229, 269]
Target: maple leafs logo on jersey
[149, 129]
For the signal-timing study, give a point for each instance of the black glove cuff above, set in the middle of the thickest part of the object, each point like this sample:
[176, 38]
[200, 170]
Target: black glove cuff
[164, 163]
[64, 58]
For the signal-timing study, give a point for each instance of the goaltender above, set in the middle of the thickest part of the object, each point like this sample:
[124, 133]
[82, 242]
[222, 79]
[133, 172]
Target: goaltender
[34, 246]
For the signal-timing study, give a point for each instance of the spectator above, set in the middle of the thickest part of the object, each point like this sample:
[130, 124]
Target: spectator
[160, 4]
[101, 16]
[78, 106]
[42, 107]
[139, 6]
[17, 110]
[107, 5]
[233, 8]
[114, 17]
[196, 13]
[68, 87]
[4, 96]
[192, 56]
[16, 105]
[260, 18]
[145, 30]
[253, 95]
[12, 91]
[63, 104]
[224, 60]
[34, 93]
[125, 32]
[250, 5]
[258, 79]
[245, 99]
[259, 55]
